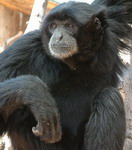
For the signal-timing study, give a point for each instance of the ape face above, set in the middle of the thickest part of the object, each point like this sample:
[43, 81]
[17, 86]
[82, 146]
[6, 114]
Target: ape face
[62, 43]
[67, 35]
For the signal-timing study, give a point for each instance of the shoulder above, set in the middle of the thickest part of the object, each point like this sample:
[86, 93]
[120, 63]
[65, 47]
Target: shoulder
[26, 43]
[29, 39]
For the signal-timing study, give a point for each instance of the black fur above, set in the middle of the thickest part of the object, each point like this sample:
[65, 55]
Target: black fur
[80, 102]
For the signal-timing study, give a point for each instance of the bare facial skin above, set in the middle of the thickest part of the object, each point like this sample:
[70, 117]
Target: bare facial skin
[62, 51]
[62, 44]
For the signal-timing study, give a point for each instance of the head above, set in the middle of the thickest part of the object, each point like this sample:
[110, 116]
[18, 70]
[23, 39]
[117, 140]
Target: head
[72, 29]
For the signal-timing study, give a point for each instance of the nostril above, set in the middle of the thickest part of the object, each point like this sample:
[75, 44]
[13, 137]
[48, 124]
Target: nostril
[52, 45]
[64, 45]
[59, 38]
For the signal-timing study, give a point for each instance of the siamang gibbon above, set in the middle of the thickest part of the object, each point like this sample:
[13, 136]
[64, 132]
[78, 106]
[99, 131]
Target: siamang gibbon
[58, 84]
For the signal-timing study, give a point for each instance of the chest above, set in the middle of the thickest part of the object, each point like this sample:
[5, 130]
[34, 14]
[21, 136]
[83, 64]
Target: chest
[73, 94]
[73, 100]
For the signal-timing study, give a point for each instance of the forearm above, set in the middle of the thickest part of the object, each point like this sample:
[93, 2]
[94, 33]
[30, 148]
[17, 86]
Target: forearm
[23, 90]
[31, 91]
[106, 126]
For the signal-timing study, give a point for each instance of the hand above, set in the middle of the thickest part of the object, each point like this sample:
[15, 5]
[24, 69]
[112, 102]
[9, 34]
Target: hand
[28, 90]
[48, 127]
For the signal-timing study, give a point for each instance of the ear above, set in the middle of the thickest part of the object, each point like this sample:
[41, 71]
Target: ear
[97, 23]
[99, 20]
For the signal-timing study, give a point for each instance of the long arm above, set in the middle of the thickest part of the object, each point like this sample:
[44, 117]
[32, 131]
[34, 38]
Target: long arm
[18, 90]
[107, 122]
[30, 91]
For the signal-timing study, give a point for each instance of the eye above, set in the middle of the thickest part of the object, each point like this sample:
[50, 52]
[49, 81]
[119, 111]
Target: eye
[98, 23]
[70, 26]
[53, 26]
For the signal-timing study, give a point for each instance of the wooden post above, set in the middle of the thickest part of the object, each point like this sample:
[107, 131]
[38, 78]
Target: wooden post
[8, 23]
[11, 22]
[36, 16]
[24, 6]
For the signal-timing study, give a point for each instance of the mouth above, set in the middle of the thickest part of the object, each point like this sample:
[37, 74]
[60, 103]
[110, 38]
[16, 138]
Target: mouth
[62, 52]
[60, 46]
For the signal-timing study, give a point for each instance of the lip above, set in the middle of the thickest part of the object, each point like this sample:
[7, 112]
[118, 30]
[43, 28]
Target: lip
[62, 53]
[60, 49]
[60, 46]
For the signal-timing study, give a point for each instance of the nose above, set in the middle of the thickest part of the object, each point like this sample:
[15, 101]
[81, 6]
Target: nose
[59, 37]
